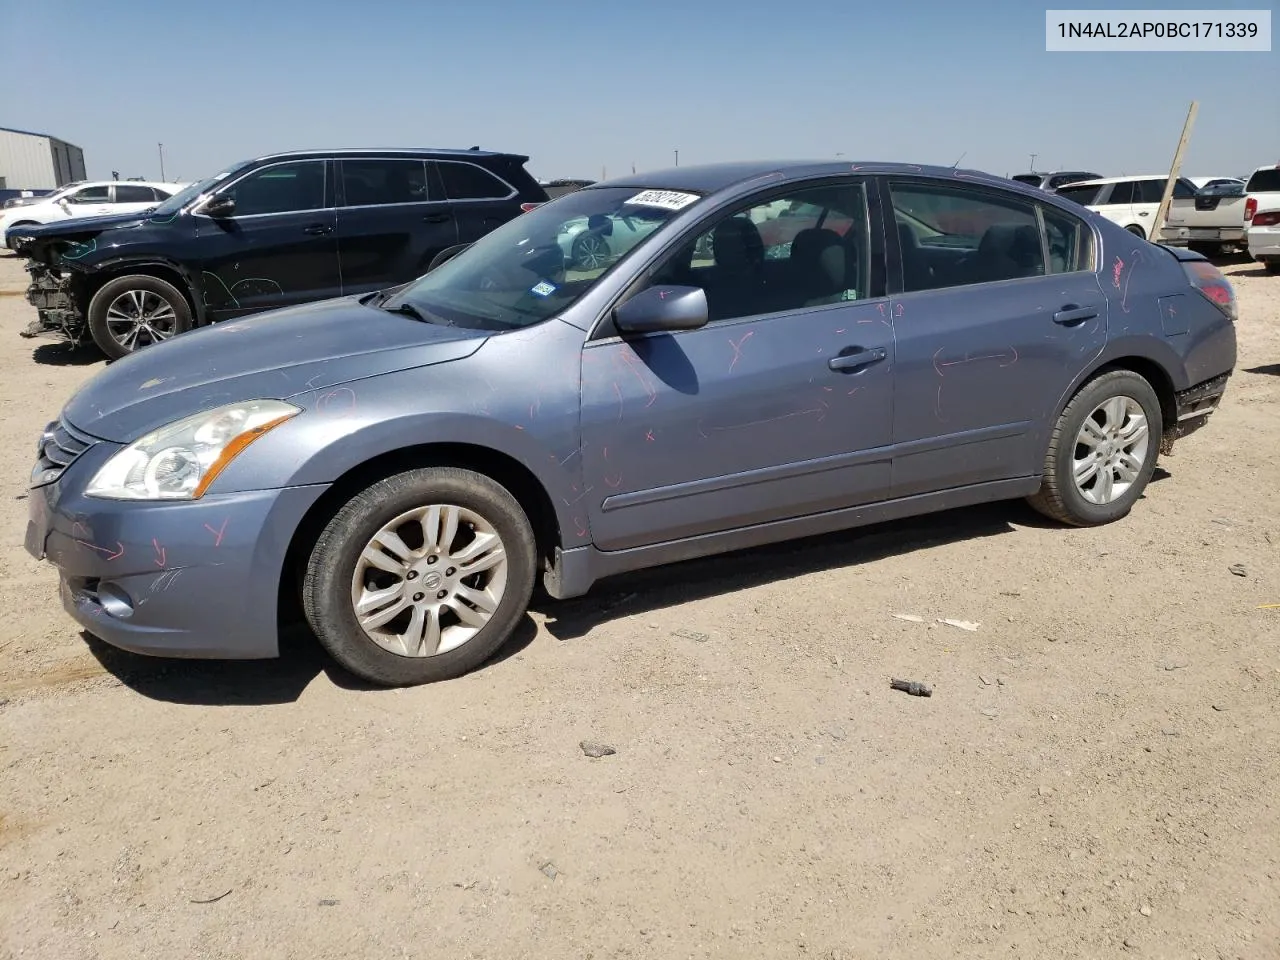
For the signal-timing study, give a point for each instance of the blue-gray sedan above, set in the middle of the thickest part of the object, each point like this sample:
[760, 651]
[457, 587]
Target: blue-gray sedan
[404, 464]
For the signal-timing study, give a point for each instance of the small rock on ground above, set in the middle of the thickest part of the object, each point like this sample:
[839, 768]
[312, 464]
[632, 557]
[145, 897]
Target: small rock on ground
[596, 750]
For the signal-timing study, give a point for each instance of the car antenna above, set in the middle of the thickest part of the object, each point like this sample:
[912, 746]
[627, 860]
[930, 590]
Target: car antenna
[958, 159]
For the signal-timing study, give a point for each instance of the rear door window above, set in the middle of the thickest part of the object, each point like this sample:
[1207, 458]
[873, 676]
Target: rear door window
[1121, 193]
[133, 193]
[1070, 241]
[374, 182]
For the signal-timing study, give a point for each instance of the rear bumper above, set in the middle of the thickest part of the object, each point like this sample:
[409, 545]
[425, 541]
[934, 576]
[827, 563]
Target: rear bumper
[1195, 405]
[1264, 243]
[1203, 234]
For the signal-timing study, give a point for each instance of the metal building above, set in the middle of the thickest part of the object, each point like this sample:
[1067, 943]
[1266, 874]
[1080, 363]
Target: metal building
[37, 161]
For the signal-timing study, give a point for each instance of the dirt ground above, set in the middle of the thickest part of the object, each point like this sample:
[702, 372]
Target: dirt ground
[1095, 775]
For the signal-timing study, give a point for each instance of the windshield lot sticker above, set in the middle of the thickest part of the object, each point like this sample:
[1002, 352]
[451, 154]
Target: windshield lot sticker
[543, 289]
[666, 199]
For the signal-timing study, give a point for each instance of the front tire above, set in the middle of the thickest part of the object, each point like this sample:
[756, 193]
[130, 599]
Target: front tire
[420, 577]
[1102, 451]
[129, 313]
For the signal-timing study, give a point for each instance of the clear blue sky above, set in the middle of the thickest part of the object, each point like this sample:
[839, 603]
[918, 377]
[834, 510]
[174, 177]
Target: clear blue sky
[583, 86]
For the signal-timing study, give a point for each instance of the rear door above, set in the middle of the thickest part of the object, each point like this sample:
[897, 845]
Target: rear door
[997, 318]
[277, 248]
[481, 200]
[392, 221]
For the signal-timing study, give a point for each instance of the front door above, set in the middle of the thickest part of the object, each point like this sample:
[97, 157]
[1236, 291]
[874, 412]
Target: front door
[988, 336]
[391, 222]
[779, 407]
[278, 247]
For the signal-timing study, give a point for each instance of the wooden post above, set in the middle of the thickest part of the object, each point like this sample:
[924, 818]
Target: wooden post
[1162, 215]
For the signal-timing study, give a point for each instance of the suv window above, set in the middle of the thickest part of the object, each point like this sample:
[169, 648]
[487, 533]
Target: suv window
[1031, 179]
[376, 182]
[953, 236]
[132, 193]
[279, 188]
[807, 249]
[1264, 181]
[466, 181]
[1070, 241]
[1121, 193]
[1081, 195]
[1064, 178]
[100, 194]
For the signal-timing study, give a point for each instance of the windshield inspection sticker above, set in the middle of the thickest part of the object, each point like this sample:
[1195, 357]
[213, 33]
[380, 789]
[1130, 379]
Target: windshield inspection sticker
[666, 199]
[543, 289]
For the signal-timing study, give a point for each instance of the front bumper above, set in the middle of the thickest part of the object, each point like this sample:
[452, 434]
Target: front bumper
[178, 579]
[57, 309]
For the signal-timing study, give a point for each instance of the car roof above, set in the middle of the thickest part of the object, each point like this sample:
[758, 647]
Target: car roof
[714, 177]
[1103, 181]
[339, 152]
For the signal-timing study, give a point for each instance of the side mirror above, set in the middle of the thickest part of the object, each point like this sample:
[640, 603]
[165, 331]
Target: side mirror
[219, 207]
[662, 308]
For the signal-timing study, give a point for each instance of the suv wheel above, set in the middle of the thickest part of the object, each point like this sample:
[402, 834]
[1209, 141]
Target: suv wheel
[1102, 452]
[132, 312]
[421, 576]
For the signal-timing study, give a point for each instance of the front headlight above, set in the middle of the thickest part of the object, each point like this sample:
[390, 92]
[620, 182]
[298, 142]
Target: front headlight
[181, 459]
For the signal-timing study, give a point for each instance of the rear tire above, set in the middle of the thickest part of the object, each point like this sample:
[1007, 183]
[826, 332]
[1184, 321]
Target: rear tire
[1273, 266]
[424, 616]
[1100, 429]
[1137, 231]
[135, 311]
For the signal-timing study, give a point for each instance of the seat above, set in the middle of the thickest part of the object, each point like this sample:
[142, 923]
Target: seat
[1008, 252]
[736, 280]
[819, 269]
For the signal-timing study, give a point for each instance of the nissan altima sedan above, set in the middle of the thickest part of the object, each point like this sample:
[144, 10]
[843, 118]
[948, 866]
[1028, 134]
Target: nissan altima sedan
[402, 465]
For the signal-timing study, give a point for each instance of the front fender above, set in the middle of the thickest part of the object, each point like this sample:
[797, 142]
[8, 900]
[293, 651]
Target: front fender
[533, 419]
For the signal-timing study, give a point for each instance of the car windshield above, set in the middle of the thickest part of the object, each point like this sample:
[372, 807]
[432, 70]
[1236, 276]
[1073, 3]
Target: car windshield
[185, 196]
[538, 264]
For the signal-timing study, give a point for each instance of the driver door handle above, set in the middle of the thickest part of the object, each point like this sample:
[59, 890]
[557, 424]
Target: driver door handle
[1070, 315]
[855, 358]
[317, 229]
[436, 218]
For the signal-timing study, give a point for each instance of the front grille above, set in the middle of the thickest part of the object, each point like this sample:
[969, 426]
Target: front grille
[60, 446]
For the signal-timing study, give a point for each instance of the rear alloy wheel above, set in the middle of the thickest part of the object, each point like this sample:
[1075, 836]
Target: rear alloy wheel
[1137, 231]
[590, 252]
[420, 577]
[132, 312]
[1102, 452]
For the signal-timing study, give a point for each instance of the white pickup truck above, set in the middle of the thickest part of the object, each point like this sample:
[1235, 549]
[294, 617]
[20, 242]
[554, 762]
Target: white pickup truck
[1210, 222]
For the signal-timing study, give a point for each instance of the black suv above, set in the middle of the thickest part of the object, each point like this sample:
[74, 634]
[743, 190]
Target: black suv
[279, 230]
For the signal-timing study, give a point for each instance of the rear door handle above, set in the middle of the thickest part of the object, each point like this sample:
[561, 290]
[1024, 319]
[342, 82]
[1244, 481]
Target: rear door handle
[855, 358]
[1071, 315]
[436, 218]
[317, 229]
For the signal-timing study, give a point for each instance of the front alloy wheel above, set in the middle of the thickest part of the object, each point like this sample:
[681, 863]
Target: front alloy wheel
[132, 312]
[421, 576]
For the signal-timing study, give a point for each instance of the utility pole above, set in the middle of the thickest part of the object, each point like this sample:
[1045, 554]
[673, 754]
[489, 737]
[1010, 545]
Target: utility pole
[1167, 200]
[161, 146]
[1033, 163]
[677, 158]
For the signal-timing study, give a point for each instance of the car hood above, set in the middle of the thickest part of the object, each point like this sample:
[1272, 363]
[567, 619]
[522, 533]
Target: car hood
[273, 355]
[79, 225]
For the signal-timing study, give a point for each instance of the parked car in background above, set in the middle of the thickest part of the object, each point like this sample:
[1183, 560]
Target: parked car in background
[400, 466]
[1052, 181]
[105, 198]
[269, 232]
[1218, 186]
[1262, 216]
[1211, 222]
[23, 198]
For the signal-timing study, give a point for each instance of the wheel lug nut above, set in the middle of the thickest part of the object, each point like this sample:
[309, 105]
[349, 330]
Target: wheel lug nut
[417, 597]
[442, 594]
[412, 575]
[450, 572]
[431, 559]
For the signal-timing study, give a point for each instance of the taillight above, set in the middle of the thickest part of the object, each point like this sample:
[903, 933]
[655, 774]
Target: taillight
[1212, 282]
[1269, 219]
[526, 207]
[1250, 208]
